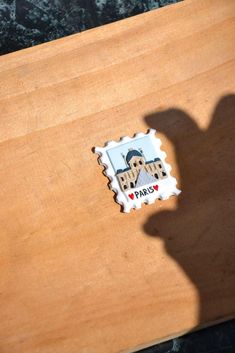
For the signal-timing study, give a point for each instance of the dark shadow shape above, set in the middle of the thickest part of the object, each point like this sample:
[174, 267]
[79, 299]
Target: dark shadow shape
[200, 234]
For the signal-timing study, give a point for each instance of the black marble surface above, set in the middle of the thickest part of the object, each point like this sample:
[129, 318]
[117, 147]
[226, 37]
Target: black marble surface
[216, 339]
[24, 23]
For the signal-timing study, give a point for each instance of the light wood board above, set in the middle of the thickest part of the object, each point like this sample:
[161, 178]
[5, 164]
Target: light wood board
[77, 275]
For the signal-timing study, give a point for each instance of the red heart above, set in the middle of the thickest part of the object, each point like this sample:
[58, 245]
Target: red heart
[131, 196]
[155, 187]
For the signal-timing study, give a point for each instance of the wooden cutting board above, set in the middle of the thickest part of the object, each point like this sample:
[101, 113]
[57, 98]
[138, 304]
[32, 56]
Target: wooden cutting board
[77, 275]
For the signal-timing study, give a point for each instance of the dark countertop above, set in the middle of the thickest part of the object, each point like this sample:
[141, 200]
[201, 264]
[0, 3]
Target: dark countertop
[25, 23]
[215, 339]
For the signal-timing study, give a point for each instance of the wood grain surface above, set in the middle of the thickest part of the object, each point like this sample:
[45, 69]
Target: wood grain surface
[77, 275]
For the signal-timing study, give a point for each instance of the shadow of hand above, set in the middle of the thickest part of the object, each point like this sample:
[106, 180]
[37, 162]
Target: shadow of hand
[200, 234]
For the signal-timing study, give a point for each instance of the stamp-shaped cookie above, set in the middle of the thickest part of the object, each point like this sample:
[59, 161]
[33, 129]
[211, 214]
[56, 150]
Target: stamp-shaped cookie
[137, 170]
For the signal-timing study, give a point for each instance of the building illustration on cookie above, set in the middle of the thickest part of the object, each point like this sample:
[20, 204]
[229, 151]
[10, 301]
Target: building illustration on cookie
[138, 171]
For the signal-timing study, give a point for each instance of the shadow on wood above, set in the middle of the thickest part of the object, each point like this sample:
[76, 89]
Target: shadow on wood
[199, 235]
